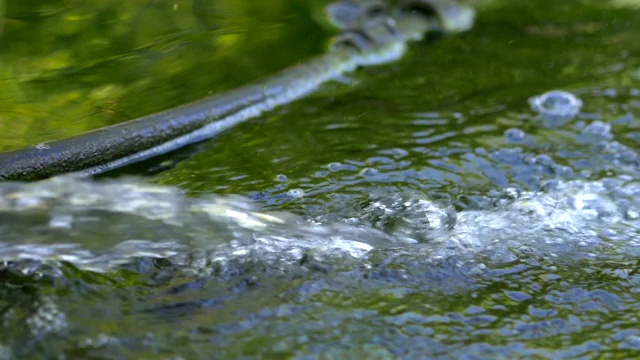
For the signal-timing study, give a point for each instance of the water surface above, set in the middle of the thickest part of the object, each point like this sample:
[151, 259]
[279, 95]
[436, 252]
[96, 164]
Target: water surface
[415, 210]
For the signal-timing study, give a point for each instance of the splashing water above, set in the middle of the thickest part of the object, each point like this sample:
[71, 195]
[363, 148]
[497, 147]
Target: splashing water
[105, 224]
[99, 225]
[433, 216]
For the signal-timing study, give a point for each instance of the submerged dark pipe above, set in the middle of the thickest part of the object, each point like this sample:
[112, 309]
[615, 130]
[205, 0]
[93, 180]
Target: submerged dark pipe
[368, 39]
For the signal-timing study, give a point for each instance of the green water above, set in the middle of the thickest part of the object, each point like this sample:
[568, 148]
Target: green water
[539, 261]
[72, 67]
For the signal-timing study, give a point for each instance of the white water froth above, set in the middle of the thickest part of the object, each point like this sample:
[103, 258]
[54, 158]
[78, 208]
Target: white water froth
[100, 225]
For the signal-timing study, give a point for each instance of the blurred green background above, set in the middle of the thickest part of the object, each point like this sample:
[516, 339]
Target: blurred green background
[68, 66]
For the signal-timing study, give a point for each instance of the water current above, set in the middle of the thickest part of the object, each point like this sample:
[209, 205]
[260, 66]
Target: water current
[405, 212]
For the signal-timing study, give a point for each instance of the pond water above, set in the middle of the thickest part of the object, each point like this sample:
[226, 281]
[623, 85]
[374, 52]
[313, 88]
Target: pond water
[420, 209]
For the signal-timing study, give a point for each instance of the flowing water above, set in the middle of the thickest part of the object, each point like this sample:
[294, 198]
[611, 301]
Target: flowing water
[421, 209]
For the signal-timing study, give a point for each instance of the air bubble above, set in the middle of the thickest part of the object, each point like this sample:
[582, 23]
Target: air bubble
[296, 193]
[396, 153]
[556, 107]
[334, 166]
[337, 166]
[515, 135]
[598, 129]
[544, 160]
[562, 171]
[281, 178]
[367, 172]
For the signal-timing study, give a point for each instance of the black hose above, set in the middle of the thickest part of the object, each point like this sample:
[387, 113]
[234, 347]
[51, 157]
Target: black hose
[369, 40]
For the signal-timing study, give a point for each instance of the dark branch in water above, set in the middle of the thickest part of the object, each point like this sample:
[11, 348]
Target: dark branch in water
[370, 37]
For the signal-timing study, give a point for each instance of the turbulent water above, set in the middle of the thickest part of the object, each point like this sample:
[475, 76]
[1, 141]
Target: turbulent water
[478, 199]
[546, 273]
